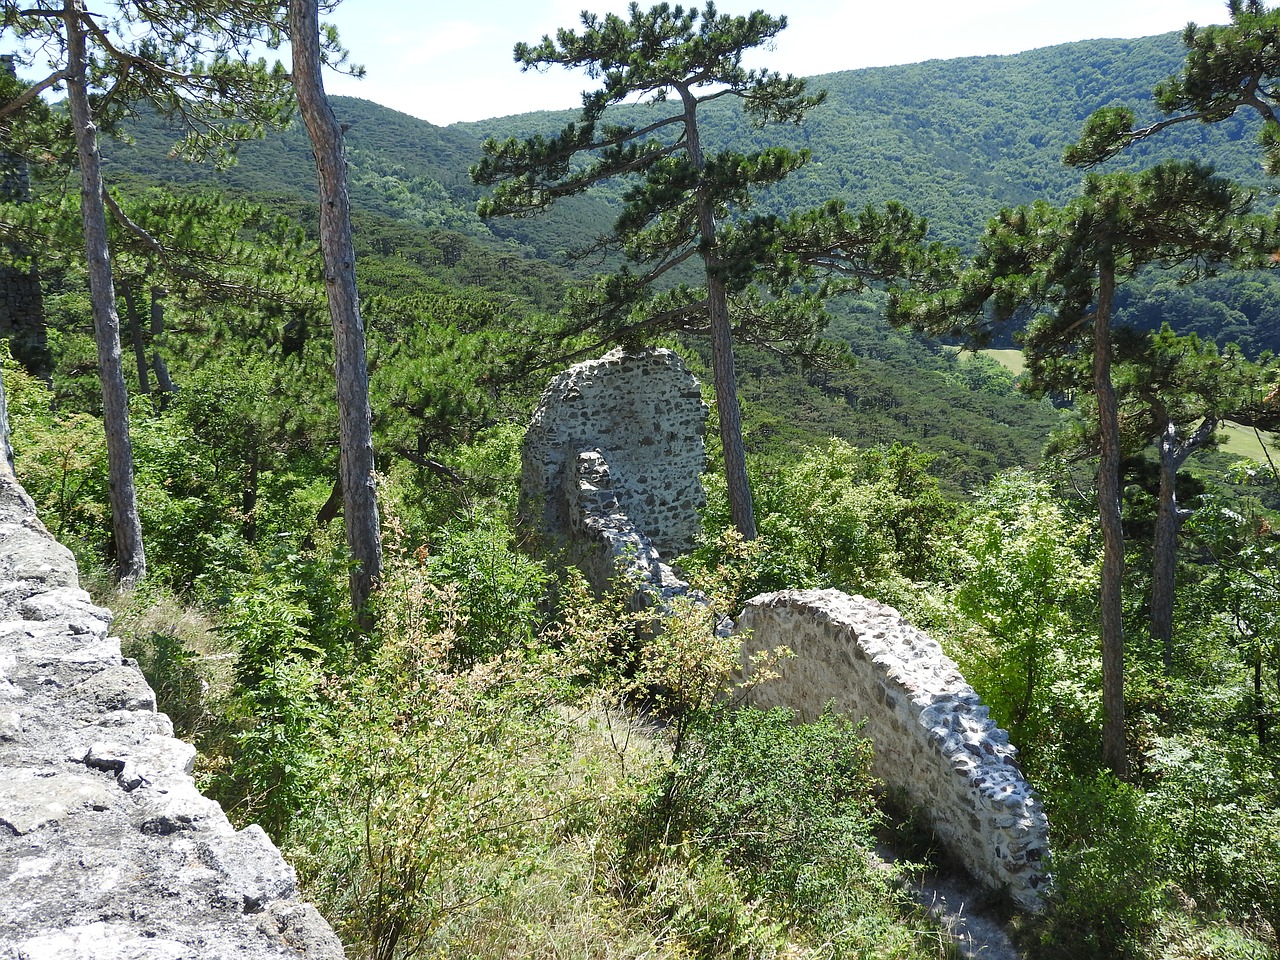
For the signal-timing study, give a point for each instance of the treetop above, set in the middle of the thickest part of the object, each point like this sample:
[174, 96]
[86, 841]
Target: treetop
[1228, 66]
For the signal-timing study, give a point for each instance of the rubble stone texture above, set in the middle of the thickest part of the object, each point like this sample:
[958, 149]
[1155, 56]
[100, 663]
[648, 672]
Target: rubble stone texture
[107, 850]
[932, 736]
[644, 413]
[607, 546]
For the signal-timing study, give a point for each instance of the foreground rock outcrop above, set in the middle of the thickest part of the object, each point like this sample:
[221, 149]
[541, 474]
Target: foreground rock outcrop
[107, 849]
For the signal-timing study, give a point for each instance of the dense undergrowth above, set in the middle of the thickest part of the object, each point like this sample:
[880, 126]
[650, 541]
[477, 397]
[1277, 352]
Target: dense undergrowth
[508, 767]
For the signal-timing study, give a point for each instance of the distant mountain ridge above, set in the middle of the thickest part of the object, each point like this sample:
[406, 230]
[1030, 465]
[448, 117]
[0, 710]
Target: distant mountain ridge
[953, 139]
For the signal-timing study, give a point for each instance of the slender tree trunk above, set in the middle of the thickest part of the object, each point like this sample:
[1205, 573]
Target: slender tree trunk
[355, 431]
[1169, 520]
[1260, 704]
[163, 382]
[131, 564]
[249, 498]
[725, 380]
[1114, 747]
[135, 334]
[723, 375]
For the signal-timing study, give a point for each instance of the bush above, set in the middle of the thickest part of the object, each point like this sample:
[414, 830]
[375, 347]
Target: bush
[1216, 810]
[765, 827]
[500, 592]
[168, 640]
[436, 783]
[1108, 881]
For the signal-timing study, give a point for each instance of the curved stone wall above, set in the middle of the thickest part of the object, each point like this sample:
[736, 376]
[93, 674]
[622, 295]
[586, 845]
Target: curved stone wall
[107, 850]
[933, 738]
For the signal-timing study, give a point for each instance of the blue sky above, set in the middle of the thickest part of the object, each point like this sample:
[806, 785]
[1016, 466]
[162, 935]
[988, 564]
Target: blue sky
[446, 62]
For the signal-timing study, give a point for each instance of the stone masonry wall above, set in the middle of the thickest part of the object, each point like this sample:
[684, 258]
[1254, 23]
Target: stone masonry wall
[606, 545]
[644, 413]
[107, 850]
[932, 735]
[587, 489]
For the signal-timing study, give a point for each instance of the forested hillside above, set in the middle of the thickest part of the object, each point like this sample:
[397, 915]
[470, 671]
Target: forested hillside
[493, 762]
[952, 139]
[955, 140]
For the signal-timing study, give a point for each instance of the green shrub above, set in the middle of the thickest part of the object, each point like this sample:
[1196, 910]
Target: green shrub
[1216, 809]
[437, 784]
[172, 670]
[1108, 880]
[500, 591]
[787, 802]
[757, 841]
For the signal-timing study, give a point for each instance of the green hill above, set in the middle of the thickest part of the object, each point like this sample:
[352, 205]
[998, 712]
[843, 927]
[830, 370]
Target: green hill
[953, 139]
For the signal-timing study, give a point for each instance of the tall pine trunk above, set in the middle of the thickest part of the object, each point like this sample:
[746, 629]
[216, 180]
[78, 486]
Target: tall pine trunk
[724, 377]
[1114, 746]
[163, 383]
[355, 431]
[135, 334]
[131, 563]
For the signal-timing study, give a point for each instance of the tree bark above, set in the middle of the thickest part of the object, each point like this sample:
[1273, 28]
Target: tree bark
[131, 564]
[163, 381]
[355, 431]
[724, 377]
[1169, 520]
[135, 334]
[1114, 746]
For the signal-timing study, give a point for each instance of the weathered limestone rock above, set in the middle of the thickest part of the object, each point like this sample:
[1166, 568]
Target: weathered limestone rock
[643, 412]
[931, 732]
[107, 850]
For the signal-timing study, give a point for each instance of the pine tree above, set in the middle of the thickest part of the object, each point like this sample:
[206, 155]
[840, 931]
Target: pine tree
[1069, 260]
[680, 191]
[355, 431]
[1229, 67]
[187, 59]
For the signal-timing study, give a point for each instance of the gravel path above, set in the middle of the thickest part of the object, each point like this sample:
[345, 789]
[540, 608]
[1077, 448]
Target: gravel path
[958, 904]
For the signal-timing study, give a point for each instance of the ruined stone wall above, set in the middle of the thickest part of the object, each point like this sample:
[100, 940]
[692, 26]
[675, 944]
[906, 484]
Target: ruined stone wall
[933, 738]
[107, 850]
[609, 549]
[644, 413]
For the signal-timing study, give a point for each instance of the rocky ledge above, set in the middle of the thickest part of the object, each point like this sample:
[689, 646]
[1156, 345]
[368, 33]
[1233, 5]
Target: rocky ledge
[107, 849]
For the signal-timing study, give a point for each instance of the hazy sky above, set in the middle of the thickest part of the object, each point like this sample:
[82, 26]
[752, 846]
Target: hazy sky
[446, 62]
